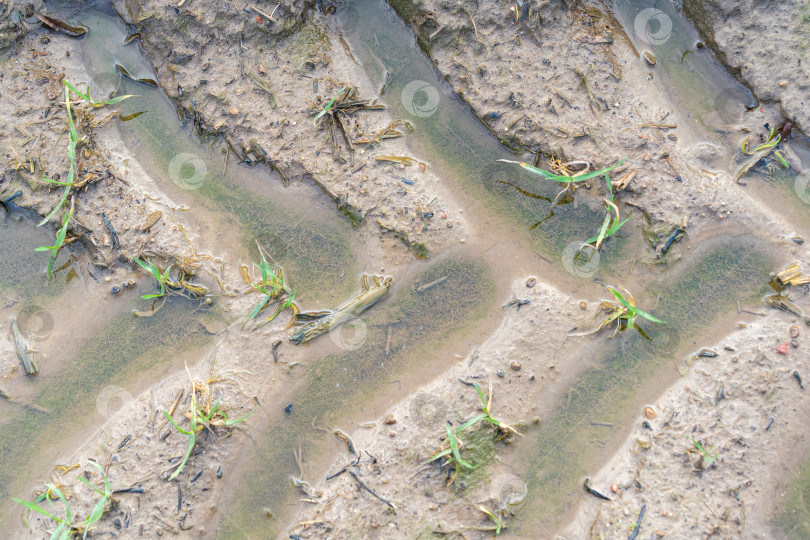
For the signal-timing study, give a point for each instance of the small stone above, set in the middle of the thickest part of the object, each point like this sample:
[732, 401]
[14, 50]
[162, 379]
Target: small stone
[650, 413]
[500, 373]
[515, 365]
[649, 57]
[128, 284]
[531, 282]
[115, 290]
[87, 153]
[782, 348]
[783, 83]
[583, 305]
[267, 513]
[288, 408]
[794, 331]
[234, 111]
[614, 488]
[390, 420]
[449, 224]
[794, 343]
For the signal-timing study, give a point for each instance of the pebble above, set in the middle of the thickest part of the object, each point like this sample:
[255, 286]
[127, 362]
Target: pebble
[515, 365]
[500, 373]
[288, 408]
[782, 348]
[583, 305]
[389, 420]
[531, 282]
[794, 331]
[115, 290]
[649, 57]
[650, 413]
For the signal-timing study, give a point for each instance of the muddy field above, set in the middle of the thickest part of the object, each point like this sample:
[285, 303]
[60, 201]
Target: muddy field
[292, 280]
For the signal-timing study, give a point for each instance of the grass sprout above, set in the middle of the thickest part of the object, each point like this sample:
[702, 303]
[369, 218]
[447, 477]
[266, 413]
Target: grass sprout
[203, 414]
[622, 311]
[706, 457]
[496, 521]
[273, 286]
[328, 107]
[162, 278]
[760, 152]
[65, 528]
[73, 142]
[612, 222]
[452, 453]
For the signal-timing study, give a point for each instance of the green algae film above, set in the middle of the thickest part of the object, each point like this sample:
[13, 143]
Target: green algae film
[559, 455]
[337, 385]
[22, 270]
[794, 521]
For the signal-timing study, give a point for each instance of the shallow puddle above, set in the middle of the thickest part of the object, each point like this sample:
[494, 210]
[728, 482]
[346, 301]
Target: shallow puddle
[630, 369]
[405, 335]
[232, 206]
[408, 337]
[713, 104]
[89, 365]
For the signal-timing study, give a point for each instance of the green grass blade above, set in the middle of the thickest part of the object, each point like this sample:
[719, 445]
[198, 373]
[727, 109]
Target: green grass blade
[58, 206]
[454, 446]
[634, 310]
[648, 316]
[610, 232]
[562, 178]
[471, 422]
[181, 430]
[36, 508]
[192, 439]
[258, 307]
[233, 422]
[439, 455]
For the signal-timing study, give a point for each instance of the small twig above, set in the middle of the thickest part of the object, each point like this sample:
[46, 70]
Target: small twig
[431, 284]
[638, 523]
[263, 14]
[354, 475]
